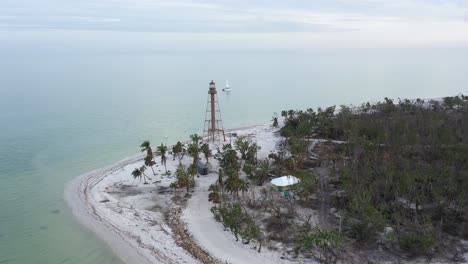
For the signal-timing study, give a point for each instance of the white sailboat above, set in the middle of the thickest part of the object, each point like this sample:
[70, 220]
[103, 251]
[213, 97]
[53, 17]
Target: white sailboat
[227, 88]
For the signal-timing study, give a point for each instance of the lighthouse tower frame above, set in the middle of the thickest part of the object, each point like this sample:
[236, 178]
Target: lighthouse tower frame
[213, 124]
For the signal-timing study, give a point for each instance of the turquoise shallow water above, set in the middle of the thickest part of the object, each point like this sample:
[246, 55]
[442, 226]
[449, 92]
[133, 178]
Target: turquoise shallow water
[63, 114]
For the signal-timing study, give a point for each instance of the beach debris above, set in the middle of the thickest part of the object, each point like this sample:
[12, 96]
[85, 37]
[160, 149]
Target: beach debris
[183, 238]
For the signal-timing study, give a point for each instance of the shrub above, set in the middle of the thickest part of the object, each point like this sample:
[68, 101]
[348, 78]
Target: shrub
[214, 195]
[417, 244]
[325, 243]
[364, 219]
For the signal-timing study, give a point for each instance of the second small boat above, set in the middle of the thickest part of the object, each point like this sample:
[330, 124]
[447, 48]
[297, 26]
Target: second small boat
[227, 88]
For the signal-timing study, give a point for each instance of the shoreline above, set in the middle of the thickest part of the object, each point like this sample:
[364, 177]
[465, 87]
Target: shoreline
[149, 225]
[76, 196]
[135, 233]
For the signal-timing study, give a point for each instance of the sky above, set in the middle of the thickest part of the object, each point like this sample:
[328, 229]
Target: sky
[257, 23]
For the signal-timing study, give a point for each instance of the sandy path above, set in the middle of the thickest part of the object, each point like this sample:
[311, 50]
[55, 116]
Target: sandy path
[210, 235]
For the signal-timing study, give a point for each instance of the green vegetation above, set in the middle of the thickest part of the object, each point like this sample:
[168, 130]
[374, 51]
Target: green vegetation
[162, 151]
[230, 167]
[177, 150]
[247, 149]
[205, 149]
[389, 176]
[149, 159]
[140, 173]
[307, 186]
[183, 179]
[404, 165]
[235, 219]
[149, 162]
[275, 121]
[323, 245]
[194, 147]
[262, 171]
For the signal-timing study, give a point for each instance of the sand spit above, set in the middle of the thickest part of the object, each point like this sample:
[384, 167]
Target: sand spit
[147, 223]
[134, 232]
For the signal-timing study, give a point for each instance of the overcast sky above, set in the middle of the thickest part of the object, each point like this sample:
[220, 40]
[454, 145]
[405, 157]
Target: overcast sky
[298, 23]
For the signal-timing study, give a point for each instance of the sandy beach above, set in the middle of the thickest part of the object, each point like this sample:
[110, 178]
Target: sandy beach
[131, 217]
[133, 231]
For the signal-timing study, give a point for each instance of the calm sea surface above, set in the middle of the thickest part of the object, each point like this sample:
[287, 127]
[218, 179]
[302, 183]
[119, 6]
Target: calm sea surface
[64, 114]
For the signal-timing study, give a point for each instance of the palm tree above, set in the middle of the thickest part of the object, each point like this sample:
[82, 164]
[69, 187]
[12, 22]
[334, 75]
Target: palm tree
[174, 186]
[242, 145]
[194, 147]
[194, 151]
[142, 170]
[196, 138]
[177, 150]
[214, 196]
[243, 186]
[146, 146]
[149, 162]
[205, 149]
[275, 121]
[162, 151]
[298, 149]
[262, 171]
[136, 173]
[220, 179]
[184, 151]
[192, 171]
[183, 178]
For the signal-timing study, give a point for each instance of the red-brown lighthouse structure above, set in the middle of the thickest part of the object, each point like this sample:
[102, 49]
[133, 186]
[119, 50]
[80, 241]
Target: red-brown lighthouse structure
[213, 122]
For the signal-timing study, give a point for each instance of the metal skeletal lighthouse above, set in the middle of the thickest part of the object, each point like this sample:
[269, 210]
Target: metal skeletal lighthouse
[213, 123]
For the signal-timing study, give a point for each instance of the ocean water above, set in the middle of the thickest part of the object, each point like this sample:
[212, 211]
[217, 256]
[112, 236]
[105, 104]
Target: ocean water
[66, 113]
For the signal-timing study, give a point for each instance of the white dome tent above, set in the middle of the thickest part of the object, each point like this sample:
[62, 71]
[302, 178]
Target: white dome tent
[285, 181]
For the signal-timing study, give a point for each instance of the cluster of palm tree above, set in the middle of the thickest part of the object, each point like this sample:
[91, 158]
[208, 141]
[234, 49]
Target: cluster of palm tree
[247, 149]
[185, 177]
[230, 167]
[139, 173]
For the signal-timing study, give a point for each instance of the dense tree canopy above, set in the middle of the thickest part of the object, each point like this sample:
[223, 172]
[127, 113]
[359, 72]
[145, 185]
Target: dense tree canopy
[406, 166]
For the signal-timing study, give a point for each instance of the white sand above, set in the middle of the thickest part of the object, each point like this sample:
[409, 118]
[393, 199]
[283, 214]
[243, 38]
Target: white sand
[135, 234]
[208, 233]
[131, 221]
